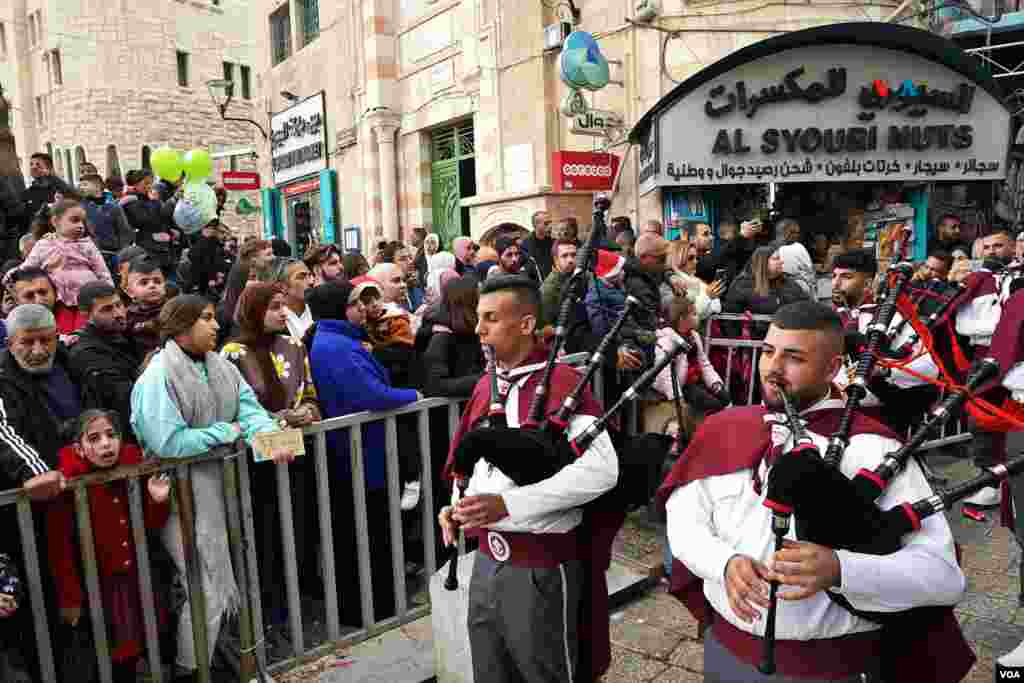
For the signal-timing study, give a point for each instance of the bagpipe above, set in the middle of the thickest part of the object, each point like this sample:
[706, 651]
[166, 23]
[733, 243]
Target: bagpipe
[800, 484]
[540, 448]
[897, 280]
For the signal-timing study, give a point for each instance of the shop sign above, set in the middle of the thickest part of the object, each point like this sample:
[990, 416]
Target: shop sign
[241, 180]
[829, 113]
[301, 188]
[597, 123]
[588, 171]
[298, 140]
[648, 165]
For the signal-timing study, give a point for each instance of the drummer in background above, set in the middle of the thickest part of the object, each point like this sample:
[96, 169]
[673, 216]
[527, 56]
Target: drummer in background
[720, 530]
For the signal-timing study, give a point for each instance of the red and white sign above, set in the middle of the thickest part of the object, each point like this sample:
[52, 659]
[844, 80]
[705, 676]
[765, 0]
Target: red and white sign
[241, 180]
[587, 171]
[301, 188]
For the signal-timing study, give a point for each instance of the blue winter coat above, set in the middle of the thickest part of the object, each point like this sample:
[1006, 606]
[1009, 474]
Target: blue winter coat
[350, 380]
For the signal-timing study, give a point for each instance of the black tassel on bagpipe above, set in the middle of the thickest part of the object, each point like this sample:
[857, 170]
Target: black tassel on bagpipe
[877, 333]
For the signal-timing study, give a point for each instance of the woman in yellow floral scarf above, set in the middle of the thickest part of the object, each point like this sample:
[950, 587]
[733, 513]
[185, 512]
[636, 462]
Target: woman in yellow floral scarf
[277, 368]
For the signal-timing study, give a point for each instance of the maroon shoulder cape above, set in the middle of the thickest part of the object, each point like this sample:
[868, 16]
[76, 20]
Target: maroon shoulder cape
[737, 439]
[599, 526]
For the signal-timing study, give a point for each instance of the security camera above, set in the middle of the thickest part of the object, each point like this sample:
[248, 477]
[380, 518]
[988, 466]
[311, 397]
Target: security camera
[646, 10]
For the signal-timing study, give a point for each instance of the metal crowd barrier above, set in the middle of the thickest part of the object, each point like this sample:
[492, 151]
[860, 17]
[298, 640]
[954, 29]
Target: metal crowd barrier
[950, 435]
[241, 533]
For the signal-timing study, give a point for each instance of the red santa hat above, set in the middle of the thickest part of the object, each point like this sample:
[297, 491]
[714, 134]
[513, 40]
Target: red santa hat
[361, 284]
[609, 265]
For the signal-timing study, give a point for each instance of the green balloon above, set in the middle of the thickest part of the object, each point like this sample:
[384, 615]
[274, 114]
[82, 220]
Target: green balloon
[167, 163]
[198, 165]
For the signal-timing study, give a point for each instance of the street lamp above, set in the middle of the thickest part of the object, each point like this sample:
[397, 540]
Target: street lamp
[221, 91]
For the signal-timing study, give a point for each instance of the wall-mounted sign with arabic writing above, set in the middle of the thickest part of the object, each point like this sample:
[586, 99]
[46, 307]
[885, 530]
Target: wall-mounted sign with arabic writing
[298, 140]
[829, 113]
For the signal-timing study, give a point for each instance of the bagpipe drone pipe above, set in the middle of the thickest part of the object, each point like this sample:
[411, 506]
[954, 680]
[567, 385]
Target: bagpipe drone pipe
[841, 513]
[897, 279]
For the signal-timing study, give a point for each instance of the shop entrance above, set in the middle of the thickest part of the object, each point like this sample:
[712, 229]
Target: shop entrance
[304, 220]
[452, 178]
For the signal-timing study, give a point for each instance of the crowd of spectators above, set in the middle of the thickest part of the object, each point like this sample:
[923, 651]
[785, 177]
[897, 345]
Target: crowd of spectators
[125, 338]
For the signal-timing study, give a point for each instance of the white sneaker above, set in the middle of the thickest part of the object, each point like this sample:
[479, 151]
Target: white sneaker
[1014, 658]
[988, 497]
[411, 495]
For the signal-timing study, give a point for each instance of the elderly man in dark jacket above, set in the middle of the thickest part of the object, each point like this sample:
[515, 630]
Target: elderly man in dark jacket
[104, 358]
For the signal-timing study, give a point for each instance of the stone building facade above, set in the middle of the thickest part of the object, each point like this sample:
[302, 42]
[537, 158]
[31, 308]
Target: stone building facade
[108, 82]
[445, 113]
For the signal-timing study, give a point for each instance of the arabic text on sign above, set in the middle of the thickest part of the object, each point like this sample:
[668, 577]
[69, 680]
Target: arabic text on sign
[913, 100]
[299, 156]
[296, 127]
[786, 91]
[832, 168]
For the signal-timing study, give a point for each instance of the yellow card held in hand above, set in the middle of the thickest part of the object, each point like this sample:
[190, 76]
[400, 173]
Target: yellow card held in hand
[264, 443]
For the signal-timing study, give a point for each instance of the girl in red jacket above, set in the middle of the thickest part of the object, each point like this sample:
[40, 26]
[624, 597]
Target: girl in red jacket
[97, 445]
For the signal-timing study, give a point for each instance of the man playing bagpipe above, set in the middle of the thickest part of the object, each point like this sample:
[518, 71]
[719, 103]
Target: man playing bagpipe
[980, 310]
[538, 608]
[721, 533]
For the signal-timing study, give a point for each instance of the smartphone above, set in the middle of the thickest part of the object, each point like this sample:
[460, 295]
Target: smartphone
[721, 274]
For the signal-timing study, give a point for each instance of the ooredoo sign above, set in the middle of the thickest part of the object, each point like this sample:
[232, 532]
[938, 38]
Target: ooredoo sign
[587, 171]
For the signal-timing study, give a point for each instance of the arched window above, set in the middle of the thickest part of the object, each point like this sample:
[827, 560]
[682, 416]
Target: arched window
[113, 163]
[79, 160]
[145, 158]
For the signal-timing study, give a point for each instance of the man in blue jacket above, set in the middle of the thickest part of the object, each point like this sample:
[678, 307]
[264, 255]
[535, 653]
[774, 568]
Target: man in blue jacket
[350, 380]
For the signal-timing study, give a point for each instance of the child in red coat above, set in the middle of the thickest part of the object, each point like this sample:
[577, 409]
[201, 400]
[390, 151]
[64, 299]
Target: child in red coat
[97, 445]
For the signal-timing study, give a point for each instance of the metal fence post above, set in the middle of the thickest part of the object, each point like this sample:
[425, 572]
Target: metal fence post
[323, 500]
[252, 571]
[423, 432]
[291, 572]
[394, 490]
[92, 584]
[35, 589]
[362, 528]
[196, 592]
[138, 522]
[247, 664]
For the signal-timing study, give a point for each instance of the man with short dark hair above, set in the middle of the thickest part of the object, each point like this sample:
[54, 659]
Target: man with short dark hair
[45, 185]
[935, 267]
[34, 286]
[947, 234]
[719, 531]
[564, 260]
[508, 257]
[852, 275]
[998, 246]
[539, 244]
[105, 359]
[324, 262]
[529, 617]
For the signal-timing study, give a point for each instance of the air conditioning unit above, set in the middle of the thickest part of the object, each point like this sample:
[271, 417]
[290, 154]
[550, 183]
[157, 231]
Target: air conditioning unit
[555, 34]
[646, 10]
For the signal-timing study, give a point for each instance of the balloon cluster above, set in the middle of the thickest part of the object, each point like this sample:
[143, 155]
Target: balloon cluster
[198, 203]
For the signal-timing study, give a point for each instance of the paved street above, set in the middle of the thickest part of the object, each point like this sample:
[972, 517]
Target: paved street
[655, 639]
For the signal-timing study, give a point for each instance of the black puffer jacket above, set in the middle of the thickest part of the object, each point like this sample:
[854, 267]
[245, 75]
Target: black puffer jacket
[108, 366]
[149, 217]
[452, 363]
[741, 298]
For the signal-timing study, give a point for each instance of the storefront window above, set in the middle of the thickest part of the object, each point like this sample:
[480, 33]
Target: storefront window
[304, 220]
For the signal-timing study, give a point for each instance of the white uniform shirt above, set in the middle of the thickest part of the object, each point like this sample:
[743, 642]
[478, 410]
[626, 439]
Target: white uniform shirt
[712, 519]
[551, 505]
